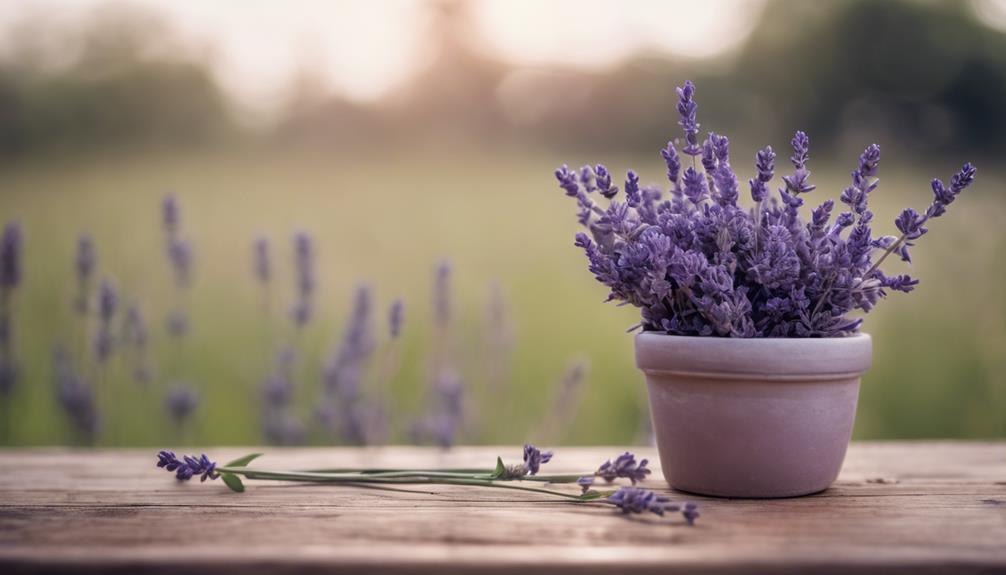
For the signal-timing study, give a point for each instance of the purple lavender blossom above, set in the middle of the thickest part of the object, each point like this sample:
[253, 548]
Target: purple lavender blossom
[709, 268]
[673, 161]
[636, 500]
[342, 408]
[624, 466]
[8, 375]
[602, 179]
[448, 409]
[283, 428]
[567, 181]
[765, 164]
[187, 467]
[797, 182]
[10, 256]
[181, 401]
[74, 394]
[396, 314]
[534, 458]
[84, 264]
[108, 303]
[262, 267]
[169, 214]
[177, 323]
[687, 109]
[10, 276]
[304, 266]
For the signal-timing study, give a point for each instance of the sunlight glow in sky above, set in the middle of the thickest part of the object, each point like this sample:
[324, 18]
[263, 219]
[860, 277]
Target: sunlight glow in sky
[363, 49]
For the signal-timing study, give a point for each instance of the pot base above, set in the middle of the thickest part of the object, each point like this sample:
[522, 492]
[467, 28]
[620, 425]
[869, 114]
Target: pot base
[726, 433]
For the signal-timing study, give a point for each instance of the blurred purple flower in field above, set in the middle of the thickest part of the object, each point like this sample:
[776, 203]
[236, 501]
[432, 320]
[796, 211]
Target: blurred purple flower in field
[342, 409]
[74, 395]
[262, 266]
[11, 247]
[180, 256]
[396, 314]
[85, 264]
[181, 401]
[169, 214]
[108, 303]
[177, 323]
[304, 267]
[284, 428]
[701, 265]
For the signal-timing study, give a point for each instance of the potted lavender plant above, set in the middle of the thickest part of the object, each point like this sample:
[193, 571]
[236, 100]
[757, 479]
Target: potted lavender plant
[751, 354]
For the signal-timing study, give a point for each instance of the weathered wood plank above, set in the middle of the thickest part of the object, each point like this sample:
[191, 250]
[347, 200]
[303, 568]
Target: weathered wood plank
[898, 507]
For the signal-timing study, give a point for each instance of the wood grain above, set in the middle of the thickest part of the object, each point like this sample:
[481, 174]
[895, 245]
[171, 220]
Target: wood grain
[927, 507]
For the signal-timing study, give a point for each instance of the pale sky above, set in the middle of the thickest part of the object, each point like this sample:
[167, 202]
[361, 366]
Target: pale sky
[364, 48]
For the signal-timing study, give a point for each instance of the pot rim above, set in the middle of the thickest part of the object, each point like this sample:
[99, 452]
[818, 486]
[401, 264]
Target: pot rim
[774, 359]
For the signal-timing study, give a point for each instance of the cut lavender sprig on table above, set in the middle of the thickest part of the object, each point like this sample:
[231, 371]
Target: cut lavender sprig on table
[635, 500]
[188, 467]
[503, 476]
[700, 265]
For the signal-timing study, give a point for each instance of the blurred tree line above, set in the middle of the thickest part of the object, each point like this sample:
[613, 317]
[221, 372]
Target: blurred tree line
[926, 74]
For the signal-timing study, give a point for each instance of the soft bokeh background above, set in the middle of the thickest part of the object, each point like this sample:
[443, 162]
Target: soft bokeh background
[399, 133]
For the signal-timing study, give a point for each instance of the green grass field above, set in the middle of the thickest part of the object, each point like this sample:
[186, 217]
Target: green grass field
[940, 353]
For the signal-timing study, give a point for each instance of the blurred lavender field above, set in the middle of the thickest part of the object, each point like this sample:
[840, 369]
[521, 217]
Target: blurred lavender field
[455, 168]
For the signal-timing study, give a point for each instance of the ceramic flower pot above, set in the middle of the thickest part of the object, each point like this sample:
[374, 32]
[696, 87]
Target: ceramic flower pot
[759, 417]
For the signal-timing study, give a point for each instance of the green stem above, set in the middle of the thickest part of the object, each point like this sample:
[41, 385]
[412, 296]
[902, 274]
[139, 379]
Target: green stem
[463, 473]
[358, 478]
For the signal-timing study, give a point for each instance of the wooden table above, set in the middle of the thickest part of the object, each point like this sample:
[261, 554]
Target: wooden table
[932, 507]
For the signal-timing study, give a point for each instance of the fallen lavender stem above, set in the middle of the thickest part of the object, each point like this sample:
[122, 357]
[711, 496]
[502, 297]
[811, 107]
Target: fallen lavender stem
[502, 476]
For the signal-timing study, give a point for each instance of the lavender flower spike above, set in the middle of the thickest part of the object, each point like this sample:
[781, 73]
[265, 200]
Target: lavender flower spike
[10, 256]
[567, 181]
[534, 458]
[181, 402]
[636, 500]
[108, 302]
[670, 156]
[188, 467]
[304, 264]
[395, 317]
[624, 466]
[686, 109]
[261, 252]
[84, 264]
[797, 183]
[169, 214]
[765, 164]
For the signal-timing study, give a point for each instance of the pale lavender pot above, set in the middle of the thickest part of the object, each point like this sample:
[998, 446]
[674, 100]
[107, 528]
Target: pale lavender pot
[766, 417]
